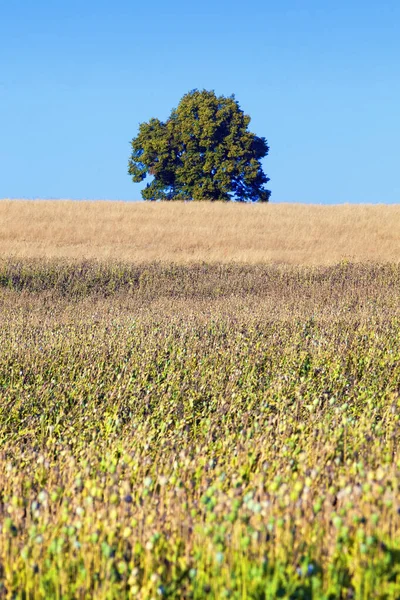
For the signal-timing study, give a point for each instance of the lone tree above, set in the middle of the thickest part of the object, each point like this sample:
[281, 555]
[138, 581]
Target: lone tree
[204, 151]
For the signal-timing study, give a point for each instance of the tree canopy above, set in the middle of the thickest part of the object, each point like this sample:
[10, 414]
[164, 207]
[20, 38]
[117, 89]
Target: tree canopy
[204, 151]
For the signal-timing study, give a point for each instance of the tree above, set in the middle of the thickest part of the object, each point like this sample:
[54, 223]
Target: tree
[204, 151]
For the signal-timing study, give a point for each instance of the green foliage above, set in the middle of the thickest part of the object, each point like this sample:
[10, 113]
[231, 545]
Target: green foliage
[243, 445]
[204, 151]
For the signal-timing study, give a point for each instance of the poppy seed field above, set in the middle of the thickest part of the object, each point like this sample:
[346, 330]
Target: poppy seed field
[199, 431]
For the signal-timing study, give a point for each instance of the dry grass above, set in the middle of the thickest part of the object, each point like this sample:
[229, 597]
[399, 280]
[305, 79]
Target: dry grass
[138, 232]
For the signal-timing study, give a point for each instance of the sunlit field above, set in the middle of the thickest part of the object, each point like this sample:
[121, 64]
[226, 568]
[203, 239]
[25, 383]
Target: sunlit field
[199, 401]
[199, 431]
[197, 232]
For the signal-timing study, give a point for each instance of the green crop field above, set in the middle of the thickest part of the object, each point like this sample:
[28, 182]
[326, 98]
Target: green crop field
[199, 431]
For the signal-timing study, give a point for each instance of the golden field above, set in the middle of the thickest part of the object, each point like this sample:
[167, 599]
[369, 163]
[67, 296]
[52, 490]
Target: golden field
[184, 233]
[199, 401]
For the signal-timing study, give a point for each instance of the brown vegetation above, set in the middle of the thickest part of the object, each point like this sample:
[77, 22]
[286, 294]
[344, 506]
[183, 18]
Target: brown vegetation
[199, 431]
[138, 232]
[221, 428]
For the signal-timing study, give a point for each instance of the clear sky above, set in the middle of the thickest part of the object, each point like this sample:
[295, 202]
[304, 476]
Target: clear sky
[320, 79]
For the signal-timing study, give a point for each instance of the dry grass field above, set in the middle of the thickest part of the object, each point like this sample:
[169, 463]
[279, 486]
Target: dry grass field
[137, 232]
[199, 402]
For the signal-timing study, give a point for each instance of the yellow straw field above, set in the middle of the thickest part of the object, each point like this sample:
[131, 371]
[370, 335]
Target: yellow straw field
[183, 233]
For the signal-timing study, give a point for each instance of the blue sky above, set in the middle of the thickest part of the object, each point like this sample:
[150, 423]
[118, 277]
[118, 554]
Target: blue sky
[320, 80]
